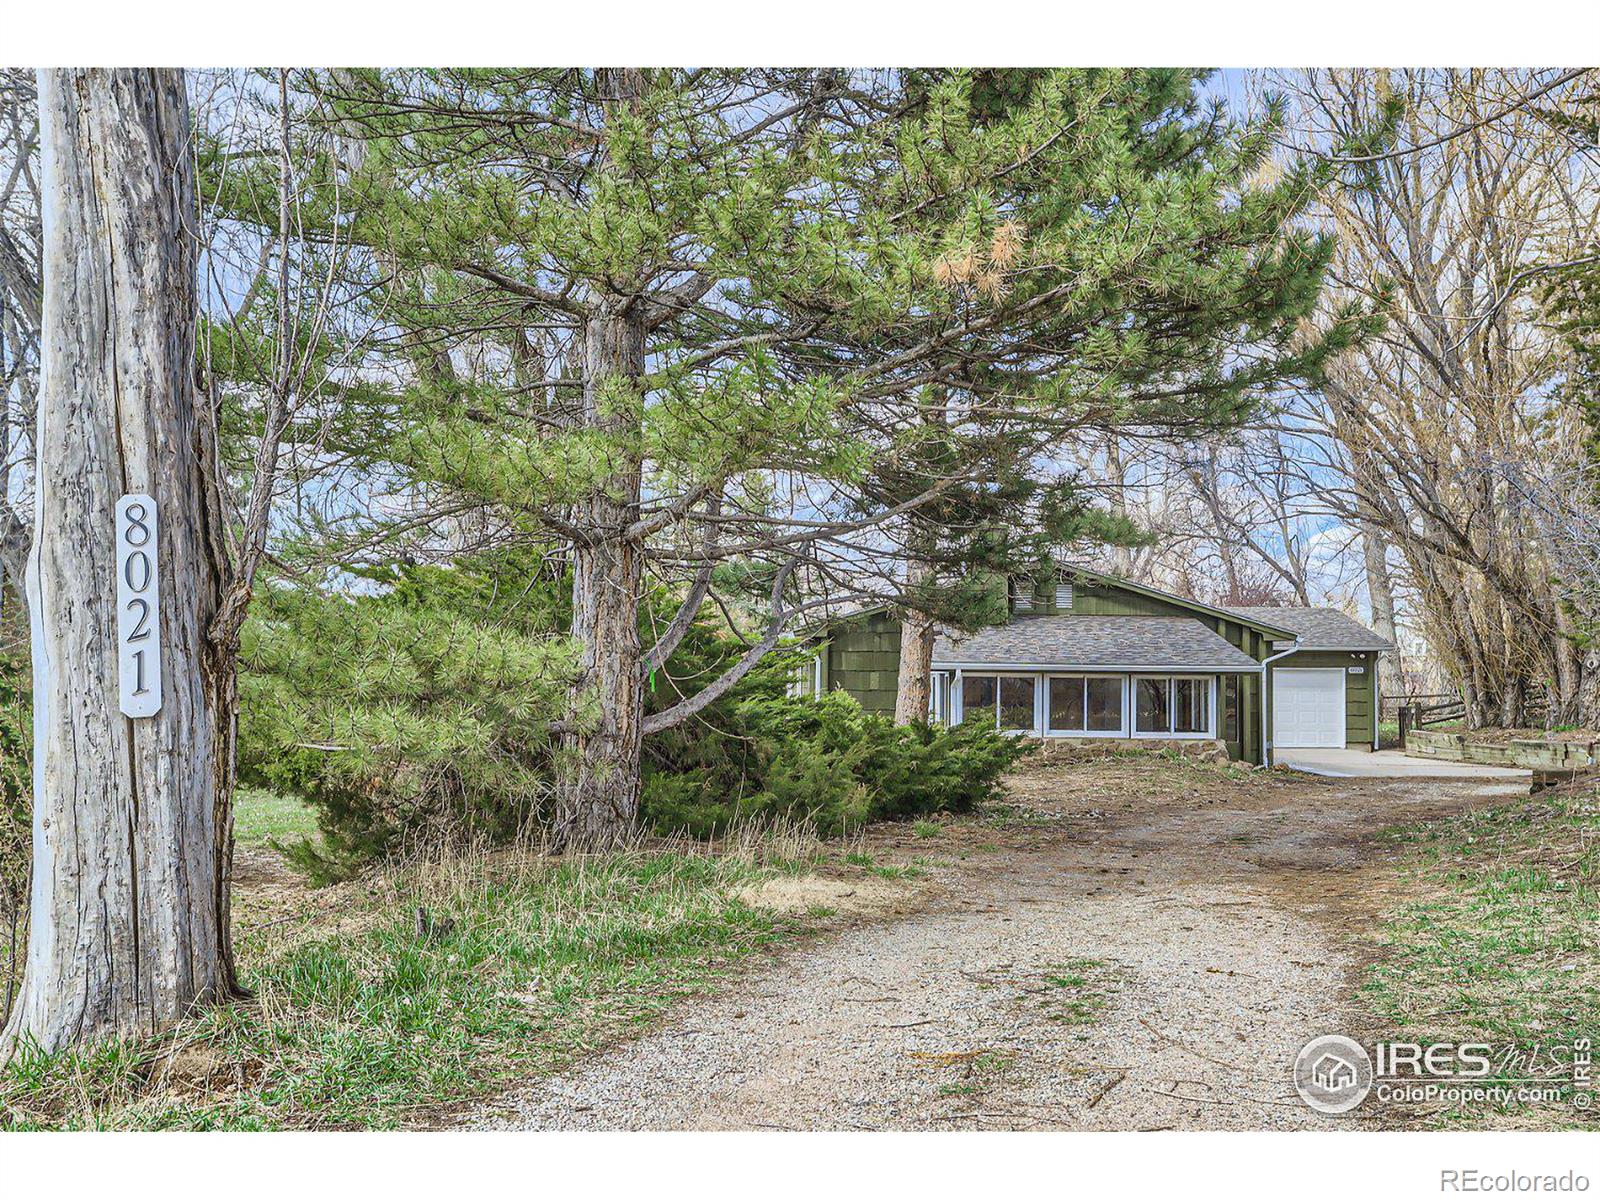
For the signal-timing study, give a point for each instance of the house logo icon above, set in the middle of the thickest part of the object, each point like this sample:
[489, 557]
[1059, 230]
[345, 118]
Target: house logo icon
[1333, 1074]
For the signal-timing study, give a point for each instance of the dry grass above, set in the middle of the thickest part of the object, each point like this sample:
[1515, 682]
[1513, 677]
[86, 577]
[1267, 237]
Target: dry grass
[524, 962]
[360, 1021]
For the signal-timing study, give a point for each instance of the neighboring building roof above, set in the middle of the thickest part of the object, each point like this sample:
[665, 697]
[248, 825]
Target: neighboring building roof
[1260, 620]
[1128, 643]
[1319, 628]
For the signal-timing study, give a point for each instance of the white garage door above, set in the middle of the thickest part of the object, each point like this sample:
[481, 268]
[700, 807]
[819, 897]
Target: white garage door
[1308, 706]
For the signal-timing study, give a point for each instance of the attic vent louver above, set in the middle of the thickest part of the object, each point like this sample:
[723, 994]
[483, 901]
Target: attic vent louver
[1063, 597]
[1022, 595]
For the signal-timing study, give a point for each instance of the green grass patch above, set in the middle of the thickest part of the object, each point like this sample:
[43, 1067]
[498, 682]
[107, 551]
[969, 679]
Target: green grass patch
[927, 829]
[1499, 942]
[261, 817]
[1075, 991]
[912, 870]
[528, 963]
[1006, 815]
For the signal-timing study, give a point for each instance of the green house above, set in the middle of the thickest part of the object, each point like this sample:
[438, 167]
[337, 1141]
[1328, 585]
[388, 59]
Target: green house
[1087, 655]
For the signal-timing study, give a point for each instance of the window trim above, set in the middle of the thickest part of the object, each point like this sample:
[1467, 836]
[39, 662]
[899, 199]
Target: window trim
[1131, 704]
[1120, 732]
[939, 686]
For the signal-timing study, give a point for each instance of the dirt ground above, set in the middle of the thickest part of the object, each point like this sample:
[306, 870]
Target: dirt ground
[1124, 945]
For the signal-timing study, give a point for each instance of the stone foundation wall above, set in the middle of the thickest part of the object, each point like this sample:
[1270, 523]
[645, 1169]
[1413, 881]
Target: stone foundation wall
[1069, 749]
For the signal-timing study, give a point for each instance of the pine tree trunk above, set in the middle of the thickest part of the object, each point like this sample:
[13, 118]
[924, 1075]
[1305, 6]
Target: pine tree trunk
[128, 925]
[916, 654]
[916, 668]
[597, 798]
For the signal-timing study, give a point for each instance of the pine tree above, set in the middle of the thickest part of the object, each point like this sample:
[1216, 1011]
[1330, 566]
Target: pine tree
[1116, 284]
[655, 322]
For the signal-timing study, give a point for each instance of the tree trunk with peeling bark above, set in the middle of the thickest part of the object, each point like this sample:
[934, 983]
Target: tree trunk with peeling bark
[597, 798]
[1380, 593]
[917, 632]
[916, 668]
[132, 832]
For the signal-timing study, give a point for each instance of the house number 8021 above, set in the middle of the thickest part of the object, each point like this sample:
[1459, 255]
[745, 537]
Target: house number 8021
[138, 608]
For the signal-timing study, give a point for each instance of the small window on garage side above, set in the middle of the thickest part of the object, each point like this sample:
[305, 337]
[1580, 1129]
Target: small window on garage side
[1230, 707]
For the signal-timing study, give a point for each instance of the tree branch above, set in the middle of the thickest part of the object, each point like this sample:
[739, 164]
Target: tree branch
[714, 691]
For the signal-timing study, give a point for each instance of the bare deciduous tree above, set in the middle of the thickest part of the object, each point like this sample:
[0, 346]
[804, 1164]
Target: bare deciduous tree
[1449, 233]
[128, 918]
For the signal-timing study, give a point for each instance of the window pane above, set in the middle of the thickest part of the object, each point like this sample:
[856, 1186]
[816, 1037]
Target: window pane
[977, 698]
[1191, 705]
[1151, 707]
[1105, 705]
[1066, 704]
[1016, 702]
[1230, 707]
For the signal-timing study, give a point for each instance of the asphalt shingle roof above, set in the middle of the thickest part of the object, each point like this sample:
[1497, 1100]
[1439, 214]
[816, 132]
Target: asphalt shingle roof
[1319, 628]
[1157, 643]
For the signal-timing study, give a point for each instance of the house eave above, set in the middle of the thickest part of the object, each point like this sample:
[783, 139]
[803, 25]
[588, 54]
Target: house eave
[1059, 668]
[1385, 649]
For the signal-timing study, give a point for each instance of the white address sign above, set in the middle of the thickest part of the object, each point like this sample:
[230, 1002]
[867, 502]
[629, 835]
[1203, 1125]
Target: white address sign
[138, 608]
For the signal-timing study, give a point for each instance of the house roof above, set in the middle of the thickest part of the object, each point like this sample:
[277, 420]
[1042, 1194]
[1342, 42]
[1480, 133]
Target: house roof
[1319, 628]
[1263, 618]
[1126, 643]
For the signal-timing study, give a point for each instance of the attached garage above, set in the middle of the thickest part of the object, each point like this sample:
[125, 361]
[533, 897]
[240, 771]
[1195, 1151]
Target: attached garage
[1308, 707]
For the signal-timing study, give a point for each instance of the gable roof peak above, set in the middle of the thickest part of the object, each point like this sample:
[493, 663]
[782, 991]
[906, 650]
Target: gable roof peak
[1272, 629]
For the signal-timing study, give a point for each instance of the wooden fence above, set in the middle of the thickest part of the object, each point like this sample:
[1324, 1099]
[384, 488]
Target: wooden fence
[1422, 712]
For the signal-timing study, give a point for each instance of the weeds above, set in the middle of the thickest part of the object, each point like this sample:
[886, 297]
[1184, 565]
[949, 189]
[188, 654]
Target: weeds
[1076, 991]
[529, 961]
[1498, 943]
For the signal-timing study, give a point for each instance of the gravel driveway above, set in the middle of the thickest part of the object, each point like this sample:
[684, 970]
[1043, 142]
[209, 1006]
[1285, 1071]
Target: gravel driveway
[1152, 964]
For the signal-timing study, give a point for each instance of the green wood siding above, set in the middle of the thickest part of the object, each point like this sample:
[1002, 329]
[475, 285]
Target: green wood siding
[1358, 697]
[864, 660]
